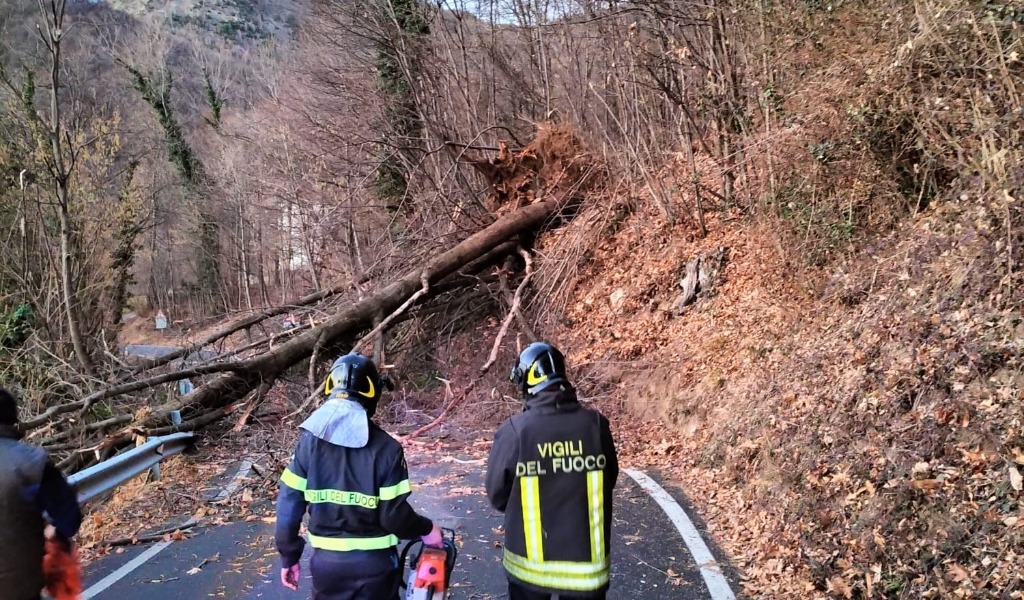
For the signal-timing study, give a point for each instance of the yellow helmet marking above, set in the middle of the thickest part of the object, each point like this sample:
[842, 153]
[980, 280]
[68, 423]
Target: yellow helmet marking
[372, 392]
[532, 378]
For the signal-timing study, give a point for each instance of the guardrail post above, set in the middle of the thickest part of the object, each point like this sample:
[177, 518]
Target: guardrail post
[154, 473]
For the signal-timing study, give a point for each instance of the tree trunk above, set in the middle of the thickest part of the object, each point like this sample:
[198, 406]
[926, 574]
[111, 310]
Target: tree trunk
[244, 256]
[230, 387]
[68, 283]
[61, 173]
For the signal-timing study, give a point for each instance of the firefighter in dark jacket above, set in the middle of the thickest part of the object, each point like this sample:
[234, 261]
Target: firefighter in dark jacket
[30, 485]
[353, 479]
[552, 470]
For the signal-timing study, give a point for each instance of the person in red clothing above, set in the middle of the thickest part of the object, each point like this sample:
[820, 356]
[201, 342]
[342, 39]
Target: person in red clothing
[32, 490]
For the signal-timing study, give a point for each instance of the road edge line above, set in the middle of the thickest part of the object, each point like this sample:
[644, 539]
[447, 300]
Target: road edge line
[718, 586]
[101, 586]
[242, 473]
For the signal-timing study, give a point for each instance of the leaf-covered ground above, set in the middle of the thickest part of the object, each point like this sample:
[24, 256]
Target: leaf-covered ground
[850, 433]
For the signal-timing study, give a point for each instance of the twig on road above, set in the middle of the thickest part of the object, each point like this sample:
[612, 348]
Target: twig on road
[455, 400]
[155, 536]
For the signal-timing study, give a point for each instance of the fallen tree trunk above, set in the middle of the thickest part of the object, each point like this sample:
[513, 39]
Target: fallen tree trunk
[234, 327]
[230, 387]
[543, 185]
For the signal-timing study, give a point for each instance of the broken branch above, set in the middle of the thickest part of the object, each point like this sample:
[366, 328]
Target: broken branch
[455, 401]
[425, 280]
[513, 311]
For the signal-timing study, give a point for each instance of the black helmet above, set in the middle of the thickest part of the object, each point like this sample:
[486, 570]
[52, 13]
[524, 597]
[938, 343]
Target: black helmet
[357, 377]
[540, 366]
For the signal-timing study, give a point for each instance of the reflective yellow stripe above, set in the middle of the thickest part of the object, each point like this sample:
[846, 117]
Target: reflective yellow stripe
[341, 497]
[293, 481]
[529, 488]
[562, 575]
[349, 544]
[393, 491]
[595, 510]
[568, 568]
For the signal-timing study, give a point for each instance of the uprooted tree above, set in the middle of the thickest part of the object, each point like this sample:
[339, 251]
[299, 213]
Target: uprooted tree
[540, 186]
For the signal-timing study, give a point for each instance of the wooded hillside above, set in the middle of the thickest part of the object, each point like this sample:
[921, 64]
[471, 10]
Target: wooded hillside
[788, 229]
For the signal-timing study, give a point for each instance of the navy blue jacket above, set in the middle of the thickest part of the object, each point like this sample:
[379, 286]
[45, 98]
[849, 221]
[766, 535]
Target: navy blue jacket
[552, 471]
[357, 497]
[30, 486]
[52, 495]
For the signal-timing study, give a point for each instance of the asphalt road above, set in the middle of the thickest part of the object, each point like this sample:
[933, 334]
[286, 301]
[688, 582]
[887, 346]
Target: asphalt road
[149, 351]
[649, 556]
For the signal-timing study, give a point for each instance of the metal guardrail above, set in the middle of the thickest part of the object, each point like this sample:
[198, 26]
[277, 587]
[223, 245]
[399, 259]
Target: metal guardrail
[107, 475]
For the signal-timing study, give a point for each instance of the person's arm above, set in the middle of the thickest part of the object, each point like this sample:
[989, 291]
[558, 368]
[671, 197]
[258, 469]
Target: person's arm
[60, 502]
[501, 466]
[611, 470]
[397, 516]
[291, 505]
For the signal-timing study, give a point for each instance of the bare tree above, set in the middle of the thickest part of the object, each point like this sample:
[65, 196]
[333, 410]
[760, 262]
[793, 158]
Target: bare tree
[62, 166]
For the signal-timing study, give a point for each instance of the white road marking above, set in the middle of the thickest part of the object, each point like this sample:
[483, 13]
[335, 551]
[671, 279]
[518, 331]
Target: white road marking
[123, 572]
[718, 585]
[243, 472]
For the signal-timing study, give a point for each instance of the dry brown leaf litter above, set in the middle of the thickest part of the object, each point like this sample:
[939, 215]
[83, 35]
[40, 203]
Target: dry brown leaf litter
[803, 409]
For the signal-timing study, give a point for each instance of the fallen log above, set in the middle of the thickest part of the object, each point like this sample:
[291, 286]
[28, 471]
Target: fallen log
[543, 185]
[87, 402]
[236, 326]
[230, 387]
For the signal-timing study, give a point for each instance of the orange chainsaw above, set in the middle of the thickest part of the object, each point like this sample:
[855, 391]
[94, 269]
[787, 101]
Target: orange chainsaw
[61, 571]
[430, 568]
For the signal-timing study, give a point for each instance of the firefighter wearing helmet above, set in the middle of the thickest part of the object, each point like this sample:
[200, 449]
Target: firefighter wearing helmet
[352, 478]
[552, 470]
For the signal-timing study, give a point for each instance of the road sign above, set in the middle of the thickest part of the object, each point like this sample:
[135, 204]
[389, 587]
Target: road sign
[161, 320]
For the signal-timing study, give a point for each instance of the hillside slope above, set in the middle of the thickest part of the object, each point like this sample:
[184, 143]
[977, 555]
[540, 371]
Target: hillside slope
[857, 431]
[230, 19]
[845, 403]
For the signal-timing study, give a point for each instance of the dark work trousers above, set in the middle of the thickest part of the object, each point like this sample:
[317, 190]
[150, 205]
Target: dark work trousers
[355, 575]
[517, 592]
